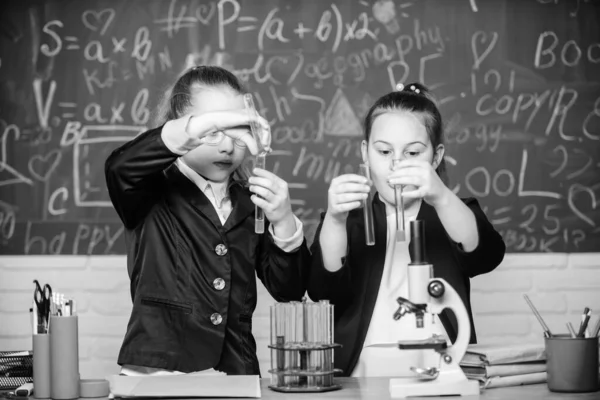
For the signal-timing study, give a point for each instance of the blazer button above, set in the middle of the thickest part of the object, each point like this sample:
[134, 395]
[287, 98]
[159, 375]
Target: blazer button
[221, 249]
[216, 319]
[219, 284]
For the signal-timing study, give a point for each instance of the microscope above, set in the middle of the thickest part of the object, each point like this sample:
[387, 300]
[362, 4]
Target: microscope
[429, 295]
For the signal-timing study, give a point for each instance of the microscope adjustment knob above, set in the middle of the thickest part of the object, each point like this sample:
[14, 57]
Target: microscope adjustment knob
[436, 289]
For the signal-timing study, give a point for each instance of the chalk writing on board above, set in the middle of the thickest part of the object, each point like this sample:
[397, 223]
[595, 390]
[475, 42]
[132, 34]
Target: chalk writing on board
[575, 5]
[521, 106]
[550, 50]
[473, 4]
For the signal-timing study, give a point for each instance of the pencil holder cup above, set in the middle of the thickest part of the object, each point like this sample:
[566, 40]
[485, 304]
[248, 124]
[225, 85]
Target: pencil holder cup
[64, 357]
[41, 366]
[572, 364]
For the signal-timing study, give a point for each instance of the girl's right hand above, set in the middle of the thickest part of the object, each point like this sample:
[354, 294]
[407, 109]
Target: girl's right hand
[346, 193]
[199, 126]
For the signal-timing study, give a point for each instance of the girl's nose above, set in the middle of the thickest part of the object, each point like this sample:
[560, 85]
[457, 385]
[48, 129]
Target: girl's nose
[226, 145]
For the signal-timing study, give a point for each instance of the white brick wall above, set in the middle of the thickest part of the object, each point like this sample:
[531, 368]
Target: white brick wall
[560, 285]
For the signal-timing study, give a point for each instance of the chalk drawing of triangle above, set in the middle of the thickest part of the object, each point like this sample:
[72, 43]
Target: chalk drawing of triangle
[340, 119]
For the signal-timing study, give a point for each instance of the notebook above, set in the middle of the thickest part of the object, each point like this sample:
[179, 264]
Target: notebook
[196, 385]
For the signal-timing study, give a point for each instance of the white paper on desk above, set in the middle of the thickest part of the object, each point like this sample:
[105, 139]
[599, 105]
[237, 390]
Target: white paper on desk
[186, 385]
[515, 380]
[145, 371]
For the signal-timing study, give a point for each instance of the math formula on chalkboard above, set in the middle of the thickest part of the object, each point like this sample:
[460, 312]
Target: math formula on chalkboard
[517, 81]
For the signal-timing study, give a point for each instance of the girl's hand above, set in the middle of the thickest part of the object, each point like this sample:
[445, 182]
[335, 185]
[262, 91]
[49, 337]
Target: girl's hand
[420, 175]
[272, 195]
[346, 193]
[233, 123]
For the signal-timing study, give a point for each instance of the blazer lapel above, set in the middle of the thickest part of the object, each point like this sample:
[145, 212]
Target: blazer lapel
[242, 206]
[194, 195]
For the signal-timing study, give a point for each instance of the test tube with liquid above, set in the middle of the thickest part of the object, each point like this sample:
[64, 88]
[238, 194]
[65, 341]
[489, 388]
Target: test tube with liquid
[260, 159]
[277, 340]
[293, 341]
[368, 208]
[399, 204]
[325, 355]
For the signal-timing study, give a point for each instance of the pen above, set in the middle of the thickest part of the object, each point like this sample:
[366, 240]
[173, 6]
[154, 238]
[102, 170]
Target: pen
[596, 329]
[547, 332]
[33, 319]
[586, 320]
[571, 330]
[583, 314]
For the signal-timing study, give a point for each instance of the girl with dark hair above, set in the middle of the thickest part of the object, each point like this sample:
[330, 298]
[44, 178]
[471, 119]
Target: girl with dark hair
[192, 252]
[363, 282]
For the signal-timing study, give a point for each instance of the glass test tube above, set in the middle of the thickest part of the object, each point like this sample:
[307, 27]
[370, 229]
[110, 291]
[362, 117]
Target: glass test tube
[399, 204]
[321, 354]
[260, 159]
[331, 352]
[293, 355]
[368, 209]
[277, 340]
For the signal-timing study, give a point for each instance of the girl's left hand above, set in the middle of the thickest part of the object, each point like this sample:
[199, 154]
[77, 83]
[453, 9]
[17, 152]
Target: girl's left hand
[421, 175]
[274, 196]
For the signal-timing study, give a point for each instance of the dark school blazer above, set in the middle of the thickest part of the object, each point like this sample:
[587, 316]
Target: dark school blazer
[193, 280]
[353, 288]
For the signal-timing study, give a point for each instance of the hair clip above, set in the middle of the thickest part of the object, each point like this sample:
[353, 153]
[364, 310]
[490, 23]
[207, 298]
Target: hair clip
[415, 89]
[399, 87]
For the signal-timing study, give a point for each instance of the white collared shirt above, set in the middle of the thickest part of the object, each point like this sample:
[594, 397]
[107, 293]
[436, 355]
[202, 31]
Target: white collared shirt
[216, 192]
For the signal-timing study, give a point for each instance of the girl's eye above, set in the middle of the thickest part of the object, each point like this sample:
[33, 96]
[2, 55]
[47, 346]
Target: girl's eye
[413, 153]
[385, 152]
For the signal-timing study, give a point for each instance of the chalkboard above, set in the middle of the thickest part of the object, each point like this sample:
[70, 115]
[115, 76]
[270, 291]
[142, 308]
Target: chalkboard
[518, 83]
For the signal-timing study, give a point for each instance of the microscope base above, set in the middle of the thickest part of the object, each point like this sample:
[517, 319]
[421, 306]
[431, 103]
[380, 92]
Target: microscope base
[450, 383]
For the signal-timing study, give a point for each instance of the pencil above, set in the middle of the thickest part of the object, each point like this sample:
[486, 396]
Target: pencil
[547, 332]
[596, 330]
[571, 330]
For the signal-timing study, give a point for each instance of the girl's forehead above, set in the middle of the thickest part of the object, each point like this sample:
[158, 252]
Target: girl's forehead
[398, 127]
[218, 98]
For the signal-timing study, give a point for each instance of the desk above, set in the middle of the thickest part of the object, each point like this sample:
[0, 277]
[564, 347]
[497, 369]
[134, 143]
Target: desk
[378, 389]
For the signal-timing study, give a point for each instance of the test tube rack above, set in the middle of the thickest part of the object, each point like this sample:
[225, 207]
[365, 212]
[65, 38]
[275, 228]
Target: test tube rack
[302, 347]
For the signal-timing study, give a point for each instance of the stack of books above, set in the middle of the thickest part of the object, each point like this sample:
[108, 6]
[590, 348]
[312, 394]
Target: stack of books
[501, 365]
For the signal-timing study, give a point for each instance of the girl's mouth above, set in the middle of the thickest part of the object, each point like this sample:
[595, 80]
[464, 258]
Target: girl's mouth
[223, 164]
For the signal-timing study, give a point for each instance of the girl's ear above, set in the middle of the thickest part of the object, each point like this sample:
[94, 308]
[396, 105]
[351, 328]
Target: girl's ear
[364, 152]
[438, 156]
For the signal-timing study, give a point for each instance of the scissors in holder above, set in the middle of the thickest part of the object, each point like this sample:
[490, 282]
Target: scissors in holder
[42, 298]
